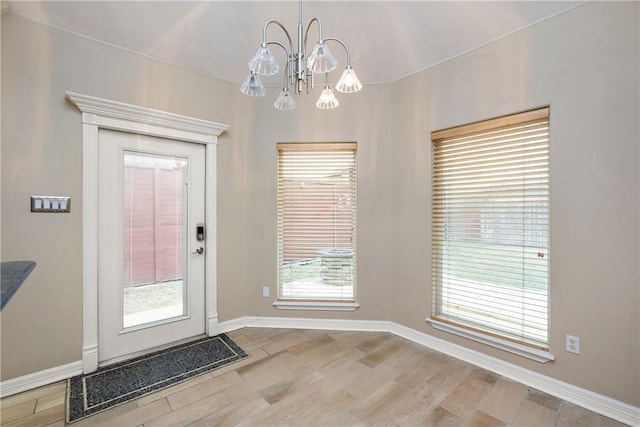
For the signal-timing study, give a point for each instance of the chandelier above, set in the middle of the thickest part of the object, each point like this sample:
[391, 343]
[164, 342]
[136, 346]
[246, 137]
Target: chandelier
[299, 69]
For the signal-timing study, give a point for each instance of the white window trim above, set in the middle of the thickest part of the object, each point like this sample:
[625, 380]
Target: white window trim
[469, 133]
[320, 304]
[316, 305]
[499, 343]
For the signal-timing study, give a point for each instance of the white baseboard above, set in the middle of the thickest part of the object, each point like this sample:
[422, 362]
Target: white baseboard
[304, 323]
[612, 408]
[40, 378]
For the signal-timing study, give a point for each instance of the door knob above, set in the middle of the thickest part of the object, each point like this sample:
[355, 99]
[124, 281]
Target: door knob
[198, 251]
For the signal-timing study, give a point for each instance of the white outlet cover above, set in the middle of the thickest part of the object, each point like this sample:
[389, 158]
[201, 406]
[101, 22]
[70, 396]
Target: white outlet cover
[573, 344]
[265, 292]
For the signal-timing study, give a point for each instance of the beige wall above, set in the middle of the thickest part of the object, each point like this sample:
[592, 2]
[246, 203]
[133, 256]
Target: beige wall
[362, 117]
[582, 63]
[42, 154]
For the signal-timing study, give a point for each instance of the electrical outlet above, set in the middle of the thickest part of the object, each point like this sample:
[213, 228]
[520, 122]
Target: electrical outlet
[265, 292]
[573, 344]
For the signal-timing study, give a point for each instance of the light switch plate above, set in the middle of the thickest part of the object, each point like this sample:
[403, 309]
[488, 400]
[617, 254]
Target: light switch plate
[48, 204]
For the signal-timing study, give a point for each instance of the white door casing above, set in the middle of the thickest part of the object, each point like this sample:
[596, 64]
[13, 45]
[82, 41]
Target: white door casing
[98, 113]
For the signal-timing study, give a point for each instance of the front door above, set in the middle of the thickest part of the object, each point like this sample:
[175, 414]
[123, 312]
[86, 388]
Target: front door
[151, 263]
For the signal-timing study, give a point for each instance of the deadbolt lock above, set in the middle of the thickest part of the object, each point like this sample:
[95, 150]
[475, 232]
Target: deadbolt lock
[200, 232]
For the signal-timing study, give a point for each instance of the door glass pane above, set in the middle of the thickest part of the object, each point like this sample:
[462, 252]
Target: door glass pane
[154, 232]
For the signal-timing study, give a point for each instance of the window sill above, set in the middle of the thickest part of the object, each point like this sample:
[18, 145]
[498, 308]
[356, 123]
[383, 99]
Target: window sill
[515, 348]
[316, 305]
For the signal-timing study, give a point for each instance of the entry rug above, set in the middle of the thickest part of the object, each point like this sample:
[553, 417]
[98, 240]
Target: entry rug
[119, 383]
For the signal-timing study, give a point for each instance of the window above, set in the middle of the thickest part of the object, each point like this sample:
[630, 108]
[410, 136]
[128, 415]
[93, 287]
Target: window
[316, 222]
[490, 228]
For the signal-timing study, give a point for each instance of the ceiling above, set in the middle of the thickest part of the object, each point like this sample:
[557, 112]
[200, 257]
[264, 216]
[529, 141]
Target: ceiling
[388, 40]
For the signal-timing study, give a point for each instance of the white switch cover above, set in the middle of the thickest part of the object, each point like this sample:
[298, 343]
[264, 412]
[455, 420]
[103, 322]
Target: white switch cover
[50, 204]
[265, 292]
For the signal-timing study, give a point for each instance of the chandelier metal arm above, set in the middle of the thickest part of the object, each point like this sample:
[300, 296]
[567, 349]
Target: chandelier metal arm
[303, 49]
[302, 74]
[289, 52]
[287, 73]
[264, 33]
[345, 48]
[306, 34]
[281, 45]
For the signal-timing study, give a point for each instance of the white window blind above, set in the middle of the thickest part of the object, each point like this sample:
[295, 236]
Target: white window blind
[317, 222]
[490, 227]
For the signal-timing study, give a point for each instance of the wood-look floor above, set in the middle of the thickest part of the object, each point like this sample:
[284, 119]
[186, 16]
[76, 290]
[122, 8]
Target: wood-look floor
[324, 378]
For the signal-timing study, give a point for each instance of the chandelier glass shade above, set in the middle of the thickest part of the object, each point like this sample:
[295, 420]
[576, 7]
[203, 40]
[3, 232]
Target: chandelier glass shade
[285, 101]
[321, 59]
[327, 99]
[252, 86]
[300, 68]
[348, 82]
[263, 62]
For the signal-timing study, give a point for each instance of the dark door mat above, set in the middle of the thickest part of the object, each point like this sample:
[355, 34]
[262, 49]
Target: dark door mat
[119, 383]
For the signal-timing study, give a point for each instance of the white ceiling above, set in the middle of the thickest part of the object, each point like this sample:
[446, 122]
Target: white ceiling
[388, 40]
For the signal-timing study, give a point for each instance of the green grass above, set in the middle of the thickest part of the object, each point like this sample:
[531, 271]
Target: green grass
[138, 299]
[497, 264]
[300, 270]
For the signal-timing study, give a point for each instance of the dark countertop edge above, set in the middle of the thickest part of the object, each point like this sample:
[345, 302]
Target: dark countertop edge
[12, 281]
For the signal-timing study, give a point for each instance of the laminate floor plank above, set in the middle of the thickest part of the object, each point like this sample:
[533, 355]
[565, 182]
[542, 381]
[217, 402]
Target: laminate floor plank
[49, 401]
[185, 385]
[312, 344]
[194, 411]
[35, 394]
[379, 355]
[41, 418]
[297, 377]
[378, 404]
[282, 344]
[416, 409]
[420, 368]
[368, 384]
[532, 414]
[19, 410]
[139, 415]
[234, 413]
[341, 376]
[464, 399]
[108, 414]
[286, 389]
[503, 399]
[202, 389]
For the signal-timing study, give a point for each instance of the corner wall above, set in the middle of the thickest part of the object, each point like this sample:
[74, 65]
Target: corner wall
[42, 155]
[584, 64]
